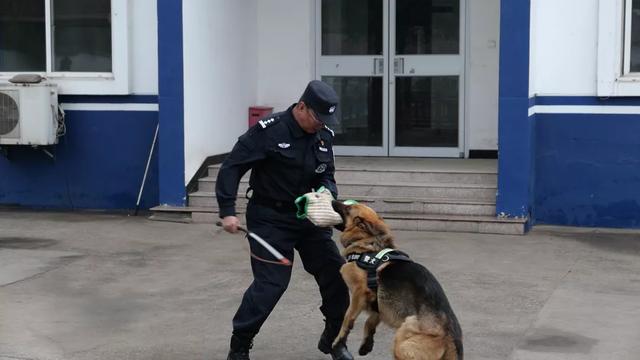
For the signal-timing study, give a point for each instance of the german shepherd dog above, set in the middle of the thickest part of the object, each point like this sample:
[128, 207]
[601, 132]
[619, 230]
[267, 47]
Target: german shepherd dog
[408, 297]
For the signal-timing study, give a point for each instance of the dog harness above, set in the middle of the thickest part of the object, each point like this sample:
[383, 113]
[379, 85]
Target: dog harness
[371, 261]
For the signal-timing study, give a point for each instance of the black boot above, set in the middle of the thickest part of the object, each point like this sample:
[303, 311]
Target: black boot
[340, 351]
[240, 346]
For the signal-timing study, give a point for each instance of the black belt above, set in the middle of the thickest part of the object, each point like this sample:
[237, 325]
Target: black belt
[278, 205]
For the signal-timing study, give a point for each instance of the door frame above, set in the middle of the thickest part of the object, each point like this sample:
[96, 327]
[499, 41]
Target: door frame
[388, 85]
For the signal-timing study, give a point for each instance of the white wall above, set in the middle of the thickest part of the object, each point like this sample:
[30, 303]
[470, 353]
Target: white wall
[143, 47]
[483, 22]
[220, 75]
[564, 38]
[286, 50]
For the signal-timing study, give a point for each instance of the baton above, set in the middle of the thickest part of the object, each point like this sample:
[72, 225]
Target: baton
[283, 260]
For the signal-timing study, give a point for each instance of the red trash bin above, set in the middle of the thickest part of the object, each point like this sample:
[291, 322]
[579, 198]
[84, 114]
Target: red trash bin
[258, 112]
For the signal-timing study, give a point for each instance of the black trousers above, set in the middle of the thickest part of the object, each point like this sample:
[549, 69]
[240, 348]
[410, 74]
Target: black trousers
[320, 257]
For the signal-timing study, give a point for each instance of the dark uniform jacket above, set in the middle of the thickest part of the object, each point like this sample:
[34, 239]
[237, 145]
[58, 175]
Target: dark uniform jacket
[286, 162]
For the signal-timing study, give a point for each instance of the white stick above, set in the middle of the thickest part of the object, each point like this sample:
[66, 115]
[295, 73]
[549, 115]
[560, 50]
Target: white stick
[146, 169]
[265, 244]
[270, 248]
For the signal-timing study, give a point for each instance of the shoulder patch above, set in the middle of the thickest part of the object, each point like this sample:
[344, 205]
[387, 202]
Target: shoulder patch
[266, 122]
[329, 130]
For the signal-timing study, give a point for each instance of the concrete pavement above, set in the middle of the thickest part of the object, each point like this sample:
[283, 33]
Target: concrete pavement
[97, 286]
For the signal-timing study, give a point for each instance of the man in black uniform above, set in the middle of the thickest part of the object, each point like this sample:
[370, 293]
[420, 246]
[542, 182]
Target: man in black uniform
[290, 153]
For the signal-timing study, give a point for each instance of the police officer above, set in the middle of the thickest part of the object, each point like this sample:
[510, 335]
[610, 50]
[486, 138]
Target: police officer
[290, 153]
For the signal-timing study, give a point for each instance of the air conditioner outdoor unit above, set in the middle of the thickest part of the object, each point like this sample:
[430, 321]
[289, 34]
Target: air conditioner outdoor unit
[28, 114]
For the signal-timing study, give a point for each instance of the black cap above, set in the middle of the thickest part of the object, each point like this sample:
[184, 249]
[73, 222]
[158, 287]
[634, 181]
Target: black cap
[321, 97]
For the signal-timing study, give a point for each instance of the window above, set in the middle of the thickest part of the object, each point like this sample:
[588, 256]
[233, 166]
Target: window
[79, 44]
[618, 48]
[22, 36]
[632, 38]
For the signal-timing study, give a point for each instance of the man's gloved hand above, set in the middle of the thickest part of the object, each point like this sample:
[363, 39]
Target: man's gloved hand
[316, 206]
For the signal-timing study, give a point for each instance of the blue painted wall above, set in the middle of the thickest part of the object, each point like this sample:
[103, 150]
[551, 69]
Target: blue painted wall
[587, 170]
[99, 164]
[171, 102]
[515, 127]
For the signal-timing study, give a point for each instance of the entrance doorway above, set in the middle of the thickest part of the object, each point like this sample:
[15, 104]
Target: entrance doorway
[398, 67]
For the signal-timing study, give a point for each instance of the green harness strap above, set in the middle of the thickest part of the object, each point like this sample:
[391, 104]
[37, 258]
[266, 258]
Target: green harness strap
[384, 252]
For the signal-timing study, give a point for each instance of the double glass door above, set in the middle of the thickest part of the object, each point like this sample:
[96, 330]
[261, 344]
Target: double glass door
[398, 68]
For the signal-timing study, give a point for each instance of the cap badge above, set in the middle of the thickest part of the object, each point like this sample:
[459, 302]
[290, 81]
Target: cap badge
[332, 109]
[321, 168]
[284, 145]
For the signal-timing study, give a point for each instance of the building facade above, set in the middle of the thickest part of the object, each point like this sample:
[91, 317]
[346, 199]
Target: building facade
[554, 100]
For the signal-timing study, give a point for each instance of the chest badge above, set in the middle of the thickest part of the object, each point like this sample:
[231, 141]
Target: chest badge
[284, 145]
[321, 168]
[323, 149]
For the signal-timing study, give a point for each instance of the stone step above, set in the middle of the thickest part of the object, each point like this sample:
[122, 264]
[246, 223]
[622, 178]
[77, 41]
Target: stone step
[455, 223]
[207, 200]
[398, 221]
[374, 176]
[394, 189]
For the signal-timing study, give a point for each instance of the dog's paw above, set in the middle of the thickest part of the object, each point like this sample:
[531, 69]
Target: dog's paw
[366, 347]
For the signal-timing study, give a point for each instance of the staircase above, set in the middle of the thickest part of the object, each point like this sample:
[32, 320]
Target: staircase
[409, 193]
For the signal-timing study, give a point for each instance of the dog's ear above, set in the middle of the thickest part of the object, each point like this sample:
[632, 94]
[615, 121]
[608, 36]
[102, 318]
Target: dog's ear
[359, 222]
[381, 231]
[369, 228]
[373, 228]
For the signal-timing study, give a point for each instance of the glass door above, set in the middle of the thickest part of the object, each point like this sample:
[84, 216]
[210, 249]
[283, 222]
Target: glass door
[398, 68]
[352, 45]
[426, 93]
